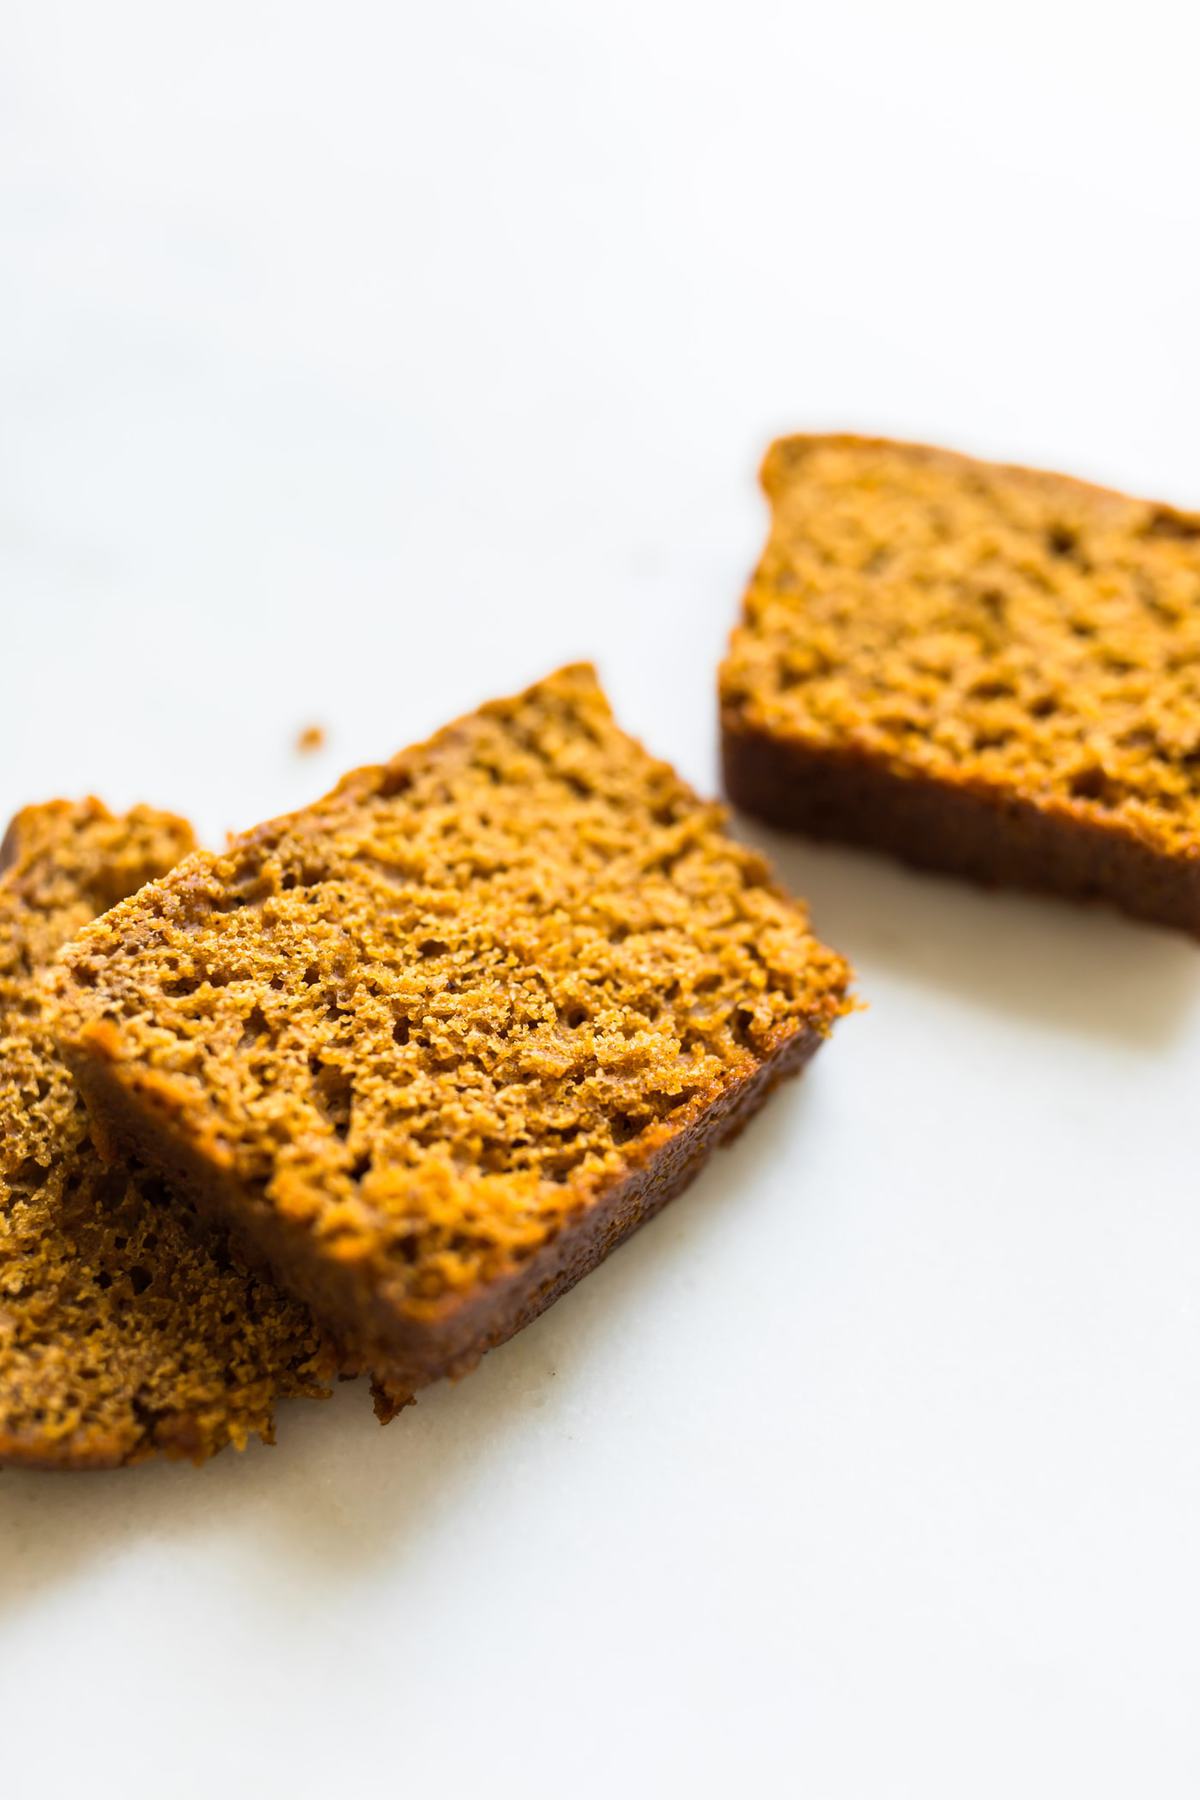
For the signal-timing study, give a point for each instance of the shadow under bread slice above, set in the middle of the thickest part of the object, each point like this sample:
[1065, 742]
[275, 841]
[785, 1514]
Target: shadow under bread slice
[981, 669]
[125, 1329]
[442, 1040]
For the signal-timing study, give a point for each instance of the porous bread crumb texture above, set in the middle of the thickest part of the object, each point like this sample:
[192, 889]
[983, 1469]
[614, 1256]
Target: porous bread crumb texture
[988, 627]
[433, 1018]
[62, 864]
[123, 1329]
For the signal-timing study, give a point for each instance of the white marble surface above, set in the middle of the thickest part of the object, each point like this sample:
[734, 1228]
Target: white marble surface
[359, 361]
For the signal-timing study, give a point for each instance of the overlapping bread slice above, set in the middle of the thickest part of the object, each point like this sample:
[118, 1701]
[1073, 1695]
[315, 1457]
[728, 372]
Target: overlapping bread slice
[442, 1040]
[125, 1328]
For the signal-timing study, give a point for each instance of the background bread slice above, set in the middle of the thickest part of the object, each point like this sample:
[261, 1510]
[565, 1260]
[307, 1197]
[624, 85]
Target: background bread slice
[124, 1328]
[982, 669]
[442, 1040]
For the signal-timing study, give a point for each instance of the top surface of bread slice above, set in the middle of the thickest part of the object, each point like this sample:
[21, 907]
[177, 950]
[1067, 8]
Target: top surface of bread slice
[982, 625]
[425, 1021]
[121, 1332]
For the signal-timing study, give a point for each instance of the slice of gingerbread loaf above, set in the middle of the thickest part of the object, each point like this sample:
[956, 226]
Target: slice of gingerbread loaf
[441, 1041]
[125, 1329]
[977, 668]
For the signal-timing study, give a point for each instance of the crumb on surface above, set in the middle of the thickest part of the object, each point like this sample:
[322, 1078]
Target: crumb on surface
[310, 738]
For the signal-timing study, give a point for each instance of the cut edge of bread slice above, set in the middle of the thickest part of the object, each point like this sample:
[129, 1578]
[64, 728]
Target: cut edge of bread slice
[555, 731]
[842, 787]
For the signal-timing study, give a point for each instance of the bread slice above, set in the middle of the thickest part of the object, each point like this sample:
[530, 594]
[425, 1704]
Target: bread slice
[441, 1041]
[122, 1330]
[977, 668]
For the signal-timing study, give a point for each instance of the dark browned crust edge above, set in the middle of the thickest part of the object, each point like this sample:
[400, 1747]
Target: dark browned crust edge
[408, 1353]
[988, 835]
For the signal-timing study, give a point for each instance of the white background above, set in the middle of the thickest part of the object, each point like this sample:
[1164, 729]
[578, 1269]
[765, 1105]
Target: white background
[360, 361]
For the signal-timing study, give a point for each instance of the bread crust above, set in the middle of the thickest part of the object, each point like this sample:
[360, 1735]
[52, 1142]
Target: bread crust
[988, 836]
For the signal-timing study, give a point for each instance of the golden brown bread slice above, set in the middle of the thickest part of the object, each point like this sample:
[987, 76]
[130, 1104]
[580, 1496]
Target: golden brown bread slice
[978, 668]
[442, 1040]
[124, 1329]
